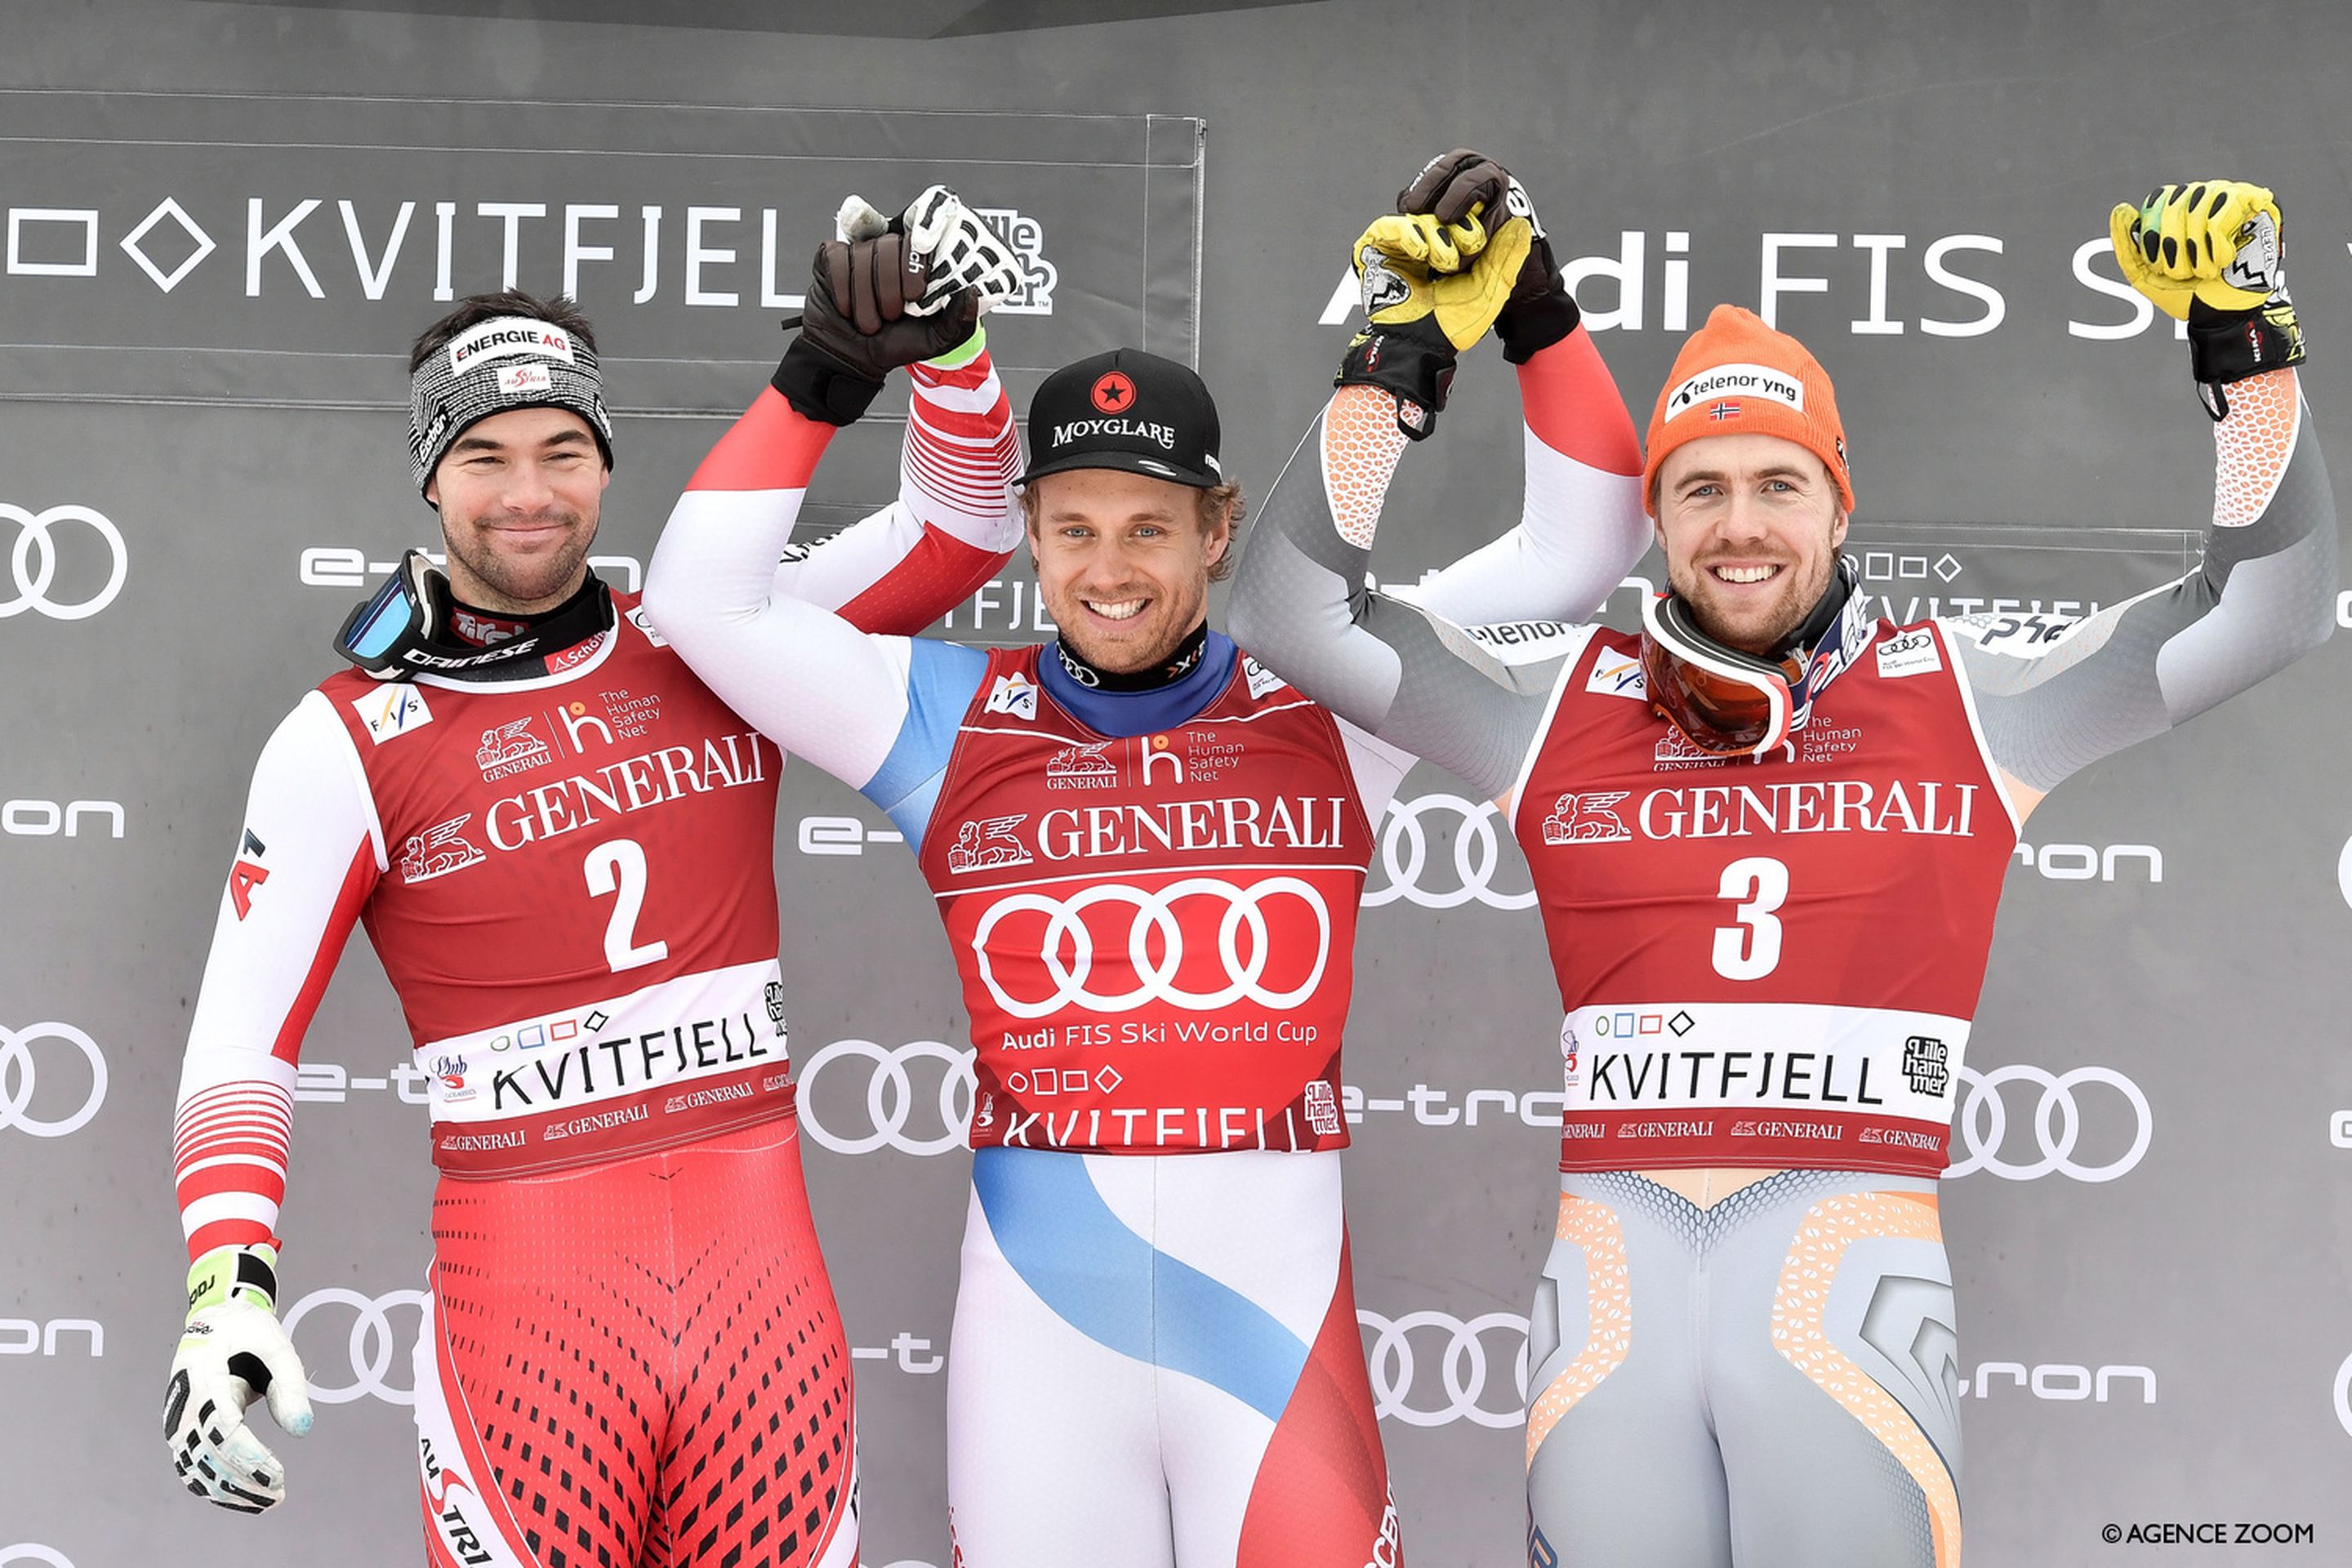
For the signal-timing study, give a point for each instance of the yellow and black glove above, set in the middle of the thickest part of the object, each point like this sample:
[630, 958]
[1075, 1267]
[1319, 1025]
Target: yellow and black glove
[1417, 319]
[2212, 253]
[1463, 186]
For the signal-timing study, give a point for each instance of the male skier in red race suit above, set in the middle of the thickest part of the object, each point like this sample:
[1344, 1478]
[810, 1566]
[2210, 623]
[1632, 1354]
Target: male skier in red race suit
[1148, 851]
[1768, 835]
[561, 844]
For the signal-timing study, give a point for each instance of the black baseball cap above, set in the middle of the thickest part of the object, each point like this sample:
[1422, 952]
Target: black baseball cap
[1126, 410]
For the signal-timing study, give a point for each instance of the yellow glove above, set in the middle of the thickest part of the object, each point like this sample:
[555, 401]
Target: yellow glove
[1422, 239]
[2213, 254]
[1416, 323]
[1464, 303]
[2215, 240]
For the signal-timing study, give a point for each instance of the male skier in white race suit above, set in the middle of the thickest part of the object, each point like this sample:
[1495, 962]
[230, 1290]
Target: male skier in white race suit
[1148, 852]
[1768, 835]
[562, 845]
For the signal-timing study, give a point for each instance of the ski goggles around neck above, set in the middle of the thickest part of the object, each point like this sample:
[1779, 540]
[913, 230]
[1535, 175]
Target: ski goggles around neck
[1723, 702]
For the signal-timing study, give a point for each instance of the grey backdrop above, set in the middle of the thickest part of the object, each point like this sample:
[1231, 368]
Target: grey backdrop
[2150, 1256]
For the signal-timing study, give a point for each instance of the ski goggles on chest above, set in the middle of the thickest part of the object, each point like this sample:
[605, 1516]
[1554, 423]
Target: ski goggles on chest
[403, 628]
[1733, 703]
[384, 631]
[1723, 700]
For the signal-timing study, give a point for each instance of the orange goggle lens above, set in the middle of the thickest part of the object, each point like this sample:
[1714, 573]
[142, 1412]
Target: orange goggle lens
[1725, 702]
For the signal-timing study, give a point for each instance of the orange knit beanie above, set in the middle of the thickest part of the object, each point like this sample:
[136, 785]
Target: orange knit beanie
[1735, 375]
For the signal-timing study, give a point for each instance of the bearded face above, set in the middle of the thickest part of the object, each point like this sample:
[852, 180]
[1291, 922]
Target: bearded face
[1750, 527]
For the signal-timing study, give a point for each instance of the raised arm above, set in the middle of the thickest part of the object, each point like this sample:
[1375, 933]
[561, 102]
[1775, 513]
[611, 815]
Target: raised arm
[2055, 699]
[814, 680]
[1580, 525]
[1402, 671]
[900, 568]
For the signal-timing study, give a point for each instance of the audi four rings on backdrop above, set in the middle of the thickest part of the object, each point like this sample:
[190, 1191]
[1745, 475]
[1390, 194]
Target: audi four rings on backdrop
[16, 1080]
[374, 1348]
[1462, 1370]
[892, 1102]
[32, 563]
[1478, 855]
[29, 1554]
[1983, 1122]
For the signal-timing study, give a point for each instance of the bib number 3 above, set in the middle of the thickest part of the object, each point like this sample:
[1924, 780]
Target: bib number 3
[1750, 949]
[619, 867]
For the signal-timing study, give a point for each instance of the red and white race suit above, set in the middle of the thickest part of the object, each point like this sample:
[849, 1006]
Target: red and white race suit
[565, 865]
[1768, 963]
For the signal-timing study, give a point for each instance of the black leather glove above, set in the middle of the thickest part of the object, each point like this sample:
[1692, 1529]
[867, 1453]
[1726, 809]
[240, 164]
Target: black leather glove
[856, 325]
[1540, 312]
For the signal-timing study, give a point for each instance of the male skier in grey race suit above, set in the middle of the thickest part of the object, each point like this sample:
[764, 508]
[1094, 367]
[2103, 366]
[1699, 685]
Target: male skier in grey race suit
[1768, 835]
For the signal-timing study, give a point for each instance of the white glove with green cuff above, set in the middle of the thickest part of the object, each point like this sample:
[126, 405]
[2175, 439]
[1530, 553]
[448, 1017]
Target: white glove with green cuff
[233, 1353]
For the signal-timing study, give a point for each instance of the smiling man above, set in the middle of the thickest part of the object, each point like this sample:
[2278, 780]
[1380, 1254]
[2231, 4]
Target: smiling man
[1148, 851]
[561, 844]
[1768, 836]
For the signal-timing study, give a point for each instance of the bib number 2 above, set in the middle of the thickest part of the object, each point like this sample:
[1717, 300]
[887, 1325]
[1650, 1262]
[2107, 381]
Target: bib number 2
[1750, 949]
[619, 867]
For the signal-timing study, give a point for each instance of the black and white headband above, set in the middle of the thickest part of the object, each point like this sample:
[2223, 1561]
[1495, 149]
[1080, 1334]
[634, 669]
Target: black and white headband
[512, 361]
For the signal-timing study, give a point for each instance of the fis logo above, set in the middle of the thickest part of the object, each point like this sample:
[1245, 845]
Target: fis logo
[395, 710]
[1014, 694]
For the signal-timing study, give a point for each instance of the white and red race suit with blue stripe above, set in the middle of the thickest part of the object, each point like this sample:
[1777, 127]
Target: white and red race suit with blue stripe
[1151, 899]
[564, 862]
[1155, 931]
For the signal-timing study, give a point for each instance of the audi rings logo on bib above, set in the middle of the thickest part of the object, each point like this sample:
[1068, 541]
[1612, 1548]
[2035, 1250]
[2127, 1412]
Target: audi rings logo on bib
[915, 1098]
[55, 1112]
[2057, 1119]
[1112, 947]
[32, 563]
[370, 1347]
[1478, 855]
[1430, 1369]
